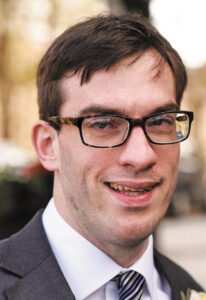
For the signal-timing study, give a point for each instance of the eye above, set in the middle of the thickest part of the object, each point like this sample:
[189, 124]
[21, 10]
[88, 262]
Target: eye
[101, 123]
[162, 120]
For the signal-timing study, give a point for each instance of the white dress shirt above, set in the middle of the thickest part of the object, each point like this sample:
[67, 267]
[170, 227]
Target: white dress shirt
[89, 271]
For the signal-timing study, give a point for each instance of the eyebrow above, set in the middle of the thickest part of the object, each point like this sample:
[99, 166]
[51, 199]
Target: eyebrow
[166, 107]
[98, 109]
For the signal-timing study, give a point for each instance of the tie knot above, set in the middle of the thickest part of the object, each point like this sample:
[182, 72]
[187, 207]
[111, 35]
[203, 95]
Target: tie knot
[130, 285]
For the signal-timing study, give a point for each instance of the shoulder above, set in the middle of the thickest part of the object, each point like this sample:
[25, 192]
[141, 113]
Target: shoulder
[178, 278]
[4, 276]
[28, 267]
[3, 249]
[17, 253]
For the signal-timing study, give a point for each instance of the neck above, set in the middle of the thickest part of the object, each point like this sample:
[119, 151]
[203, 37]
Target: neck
[124, 255]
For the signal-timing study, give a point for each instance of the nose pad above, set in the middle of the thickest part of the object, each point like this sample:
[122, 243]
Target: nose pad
[138, 151]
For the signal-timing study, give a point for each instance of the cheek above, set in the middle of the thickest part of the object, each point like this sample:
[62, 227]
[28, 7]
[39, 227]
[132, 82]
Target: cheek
[82, 165]
[173, 158]
[168, 158]
[169, 167]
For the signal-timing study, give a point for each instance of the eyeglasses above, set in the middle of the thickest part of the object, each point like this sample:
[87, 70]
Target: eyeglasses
[109, 131]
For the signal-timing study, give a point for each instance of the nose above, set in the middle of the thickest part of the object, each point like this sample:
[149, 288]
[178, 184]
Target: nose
[137, 151]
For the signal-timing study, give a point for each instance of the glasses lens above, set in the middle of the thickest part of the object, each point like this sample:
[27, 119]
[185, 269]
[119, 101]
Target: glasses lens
[104, 131]
[166, 128]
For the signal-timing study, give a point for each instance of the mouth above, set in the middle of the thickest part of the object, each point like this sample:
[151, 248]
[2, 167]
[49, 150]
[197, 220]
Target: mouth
[132, 191]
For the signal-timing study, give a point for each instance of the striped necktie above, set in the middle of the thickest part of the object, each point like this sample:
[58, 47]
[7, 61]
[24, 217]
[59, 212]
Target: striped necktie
[130, 285]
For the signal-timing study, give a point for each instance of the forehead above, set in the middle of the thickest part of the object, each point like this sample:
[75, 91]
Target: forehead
[135, 89]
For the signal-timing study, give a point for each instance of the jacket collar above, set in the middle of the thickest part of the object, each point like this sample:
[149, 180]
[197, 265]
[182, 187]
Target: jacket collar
[29, 257]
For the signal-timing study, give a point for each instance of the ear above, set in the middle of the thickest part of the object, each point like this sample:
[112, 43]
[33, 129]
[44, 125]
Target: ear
[44, 139]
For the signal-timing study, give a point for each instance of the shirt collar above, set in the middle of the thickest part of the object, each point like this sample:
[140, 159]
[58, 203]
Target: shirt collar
[145, 266]
[81, 261]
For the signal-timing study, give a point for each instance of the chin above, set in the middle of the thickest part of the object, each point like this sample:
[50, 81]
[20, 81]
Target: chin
[133, 236]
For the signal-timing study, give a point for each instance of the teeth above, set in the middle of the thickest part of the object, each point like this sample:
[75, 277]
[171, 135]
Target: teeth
[129, 190]
[126, 188]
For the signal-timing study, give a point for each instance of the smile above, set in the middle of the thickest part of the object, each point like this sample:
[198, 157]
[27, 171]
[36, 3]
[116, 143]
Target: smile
[129, 190]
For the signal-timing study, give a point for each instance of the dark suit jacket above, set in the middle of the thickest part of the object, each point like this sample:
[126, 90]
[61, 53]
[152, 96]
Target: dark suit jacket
[29, 270]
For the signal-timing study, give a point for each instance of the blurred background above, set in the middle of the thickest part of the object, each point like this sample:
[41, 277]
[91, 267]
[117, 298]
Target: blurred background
[26, 30]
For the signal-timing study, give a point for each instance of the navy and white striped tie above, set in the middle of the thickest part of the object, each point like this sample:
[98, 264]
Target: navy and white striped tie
[130, 285]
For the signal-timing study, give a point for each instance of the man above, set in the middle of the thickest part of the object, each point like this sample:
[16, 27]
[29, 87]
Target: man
[109, 92]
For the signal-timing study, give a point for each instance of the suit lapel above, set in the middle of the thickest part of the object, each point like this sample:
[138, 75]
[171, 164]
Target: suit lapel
[178, 279]
[45, 282]
[30, 259]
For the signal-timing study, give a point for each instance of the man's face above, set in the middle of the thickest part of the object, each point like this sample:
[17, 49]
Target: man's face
[116, 196]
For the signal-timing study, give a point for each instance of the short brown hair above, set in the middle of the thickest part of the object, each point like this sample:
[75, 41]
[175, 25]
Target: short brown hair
[100, 43]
